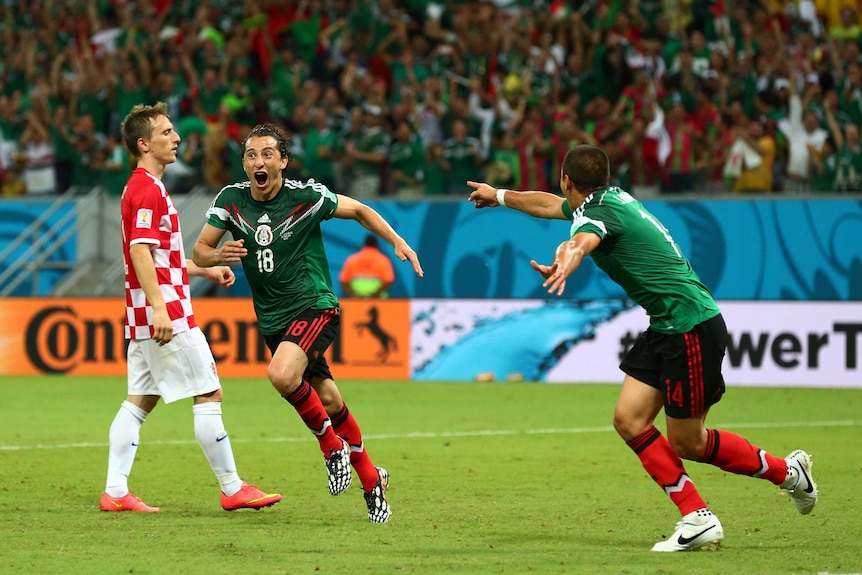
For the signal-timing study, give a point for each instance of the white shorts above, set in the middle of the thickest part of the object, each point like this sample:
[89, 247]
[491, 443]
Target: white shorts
[183, 367]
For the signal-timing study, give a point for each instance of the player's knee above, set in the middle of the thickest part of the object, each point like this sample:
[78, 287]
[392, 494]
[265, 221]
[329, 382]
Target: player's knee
[284, 381]
[628, 422]
[626, 427]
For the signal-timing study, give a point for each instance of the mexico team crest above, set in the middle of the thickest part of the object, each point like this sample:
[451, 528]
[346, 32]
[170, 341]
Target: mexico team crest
[263, 235]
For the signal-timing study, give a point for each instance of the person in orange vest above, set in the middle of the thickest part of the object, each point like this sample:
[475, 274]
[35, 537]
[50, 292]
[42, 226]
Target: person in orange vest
[368, 273]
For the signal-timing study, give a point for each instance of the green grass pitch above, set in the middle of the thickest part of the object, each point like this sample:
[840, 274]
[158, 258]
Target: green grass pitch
[486, 478]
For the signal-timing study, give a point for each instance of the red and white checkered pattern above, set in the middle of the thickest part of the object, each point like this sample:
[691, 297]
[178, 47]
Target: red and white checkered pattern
[149, 217]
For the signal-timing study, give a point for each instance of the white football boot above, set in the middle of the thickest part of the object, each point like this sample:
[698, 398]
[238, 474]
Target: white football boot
[695, 531]
[800, 483]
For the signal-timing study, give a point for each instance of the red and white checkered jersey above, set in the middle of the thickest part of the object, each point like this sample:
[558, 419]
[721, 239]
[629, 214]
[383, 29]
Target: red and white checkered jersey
[149, 217]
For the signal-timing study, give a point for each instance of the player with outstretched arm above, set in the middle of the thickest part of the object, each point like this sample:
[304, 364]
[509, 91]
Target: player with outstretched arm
[275, 224]
[675, 364]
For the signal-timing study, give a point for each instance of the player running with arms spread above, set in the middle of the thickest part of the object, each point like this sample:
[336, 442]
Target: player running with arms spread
[275, 225]
[675, 364]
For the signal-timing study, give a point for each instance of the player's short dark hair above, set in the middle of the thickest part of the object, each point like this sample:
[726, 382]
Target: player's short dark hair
[139, 124]
[588, 167]
[268, 129]
[371, 241]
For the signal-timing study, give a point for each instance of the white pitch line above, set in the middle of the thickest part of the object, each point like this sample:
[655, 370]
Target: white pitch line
[444, 434]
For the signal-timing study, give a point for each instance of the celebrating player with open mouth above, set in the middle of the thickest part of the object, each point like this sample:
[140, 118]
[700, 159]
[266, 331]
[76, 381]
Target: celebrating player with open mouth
[275, 224]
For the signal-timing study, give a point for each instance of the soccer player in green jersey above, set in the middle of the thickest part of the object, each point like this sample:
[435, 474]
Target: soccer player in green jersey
[275, 225]
[676, 363]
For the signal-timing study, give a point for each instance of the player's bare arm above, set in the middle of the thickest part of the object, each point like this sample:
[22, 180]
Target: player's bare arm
[207, 253]
[221, 275]
[567, 258]
[537, 204]
[350, 209]
[145, 271]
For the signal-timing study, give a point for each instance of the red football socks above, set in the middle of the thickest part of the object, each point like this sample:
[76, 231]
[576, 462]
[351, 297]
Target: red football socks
[735, 454]
[307, 404]
[345, 426]
[665, 467]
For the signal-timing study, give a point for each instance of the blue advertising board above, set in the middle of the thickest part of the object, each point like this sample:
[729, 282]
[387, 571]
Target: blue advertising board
[743, 249]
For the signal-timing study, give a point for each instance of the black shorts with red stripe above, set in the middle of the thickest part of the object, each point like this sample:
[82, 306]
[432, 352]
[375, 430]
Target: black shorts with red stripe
[685, 367]
[313, 330]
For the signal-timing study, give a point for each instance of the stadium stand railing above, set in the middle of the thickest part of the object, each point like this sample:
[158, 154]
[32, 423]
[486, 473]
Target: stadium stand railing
[40, 247]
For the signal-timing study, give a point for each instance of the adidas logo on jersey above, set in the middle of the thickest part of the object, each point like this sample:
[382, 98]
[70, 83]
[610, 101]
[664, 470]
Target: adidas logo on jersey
[264, 219]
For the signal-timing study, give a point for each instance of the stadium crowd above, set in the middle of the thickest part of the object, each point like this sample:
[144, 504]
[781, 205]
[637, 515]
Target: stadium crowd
[412, 98]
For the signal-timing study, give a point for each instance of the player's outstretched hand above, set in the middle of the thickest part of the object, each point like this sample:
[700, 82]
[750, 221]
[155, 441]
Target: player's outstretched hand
[483, 195]
[542, 268]
[555, 277]
[404, 252]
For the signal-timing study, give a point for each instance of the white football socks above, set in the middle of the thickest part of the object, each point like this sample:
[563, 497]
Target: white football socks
[123, 439]
[213, 439]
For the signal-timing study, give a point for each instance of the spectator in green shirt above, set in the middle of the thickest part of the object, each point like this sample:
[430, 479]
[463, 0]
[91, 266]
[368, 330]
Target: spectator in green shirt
[87, 144]
[823, 166]
[337, 115]
[131, 86]
[207, 95]
[285, 77]
[114, 166]
[503, 168]
[406, 158]
[64, 151]
[367, 153]
[305, 30]
[320, 145]
[436, 171]
[464, 157]
[848, 176]
[408, 73]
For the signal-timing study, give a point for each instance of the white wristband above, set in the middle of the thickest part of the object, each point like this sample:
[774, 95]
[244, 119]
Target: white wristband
[501, 196]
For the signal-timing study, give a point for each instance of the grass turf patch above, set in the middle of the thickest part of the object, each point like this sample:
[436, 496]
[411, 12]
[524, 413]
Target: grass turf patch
[486, 478]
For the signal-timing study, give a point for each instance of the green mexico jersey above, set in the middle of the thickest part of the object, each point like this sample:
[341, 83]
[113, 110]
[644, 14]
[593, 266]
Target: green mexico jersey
[286, 264]
[463, 158]
[370, 141]
[638, 253]
[408, 157]
[313, 162]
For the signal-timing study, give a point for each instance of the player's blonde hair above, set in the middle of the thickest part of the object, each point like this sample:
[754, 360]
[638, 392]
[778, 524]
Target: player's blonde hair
[139, 124]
